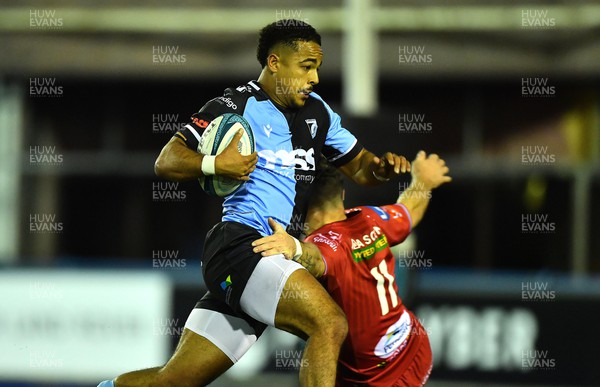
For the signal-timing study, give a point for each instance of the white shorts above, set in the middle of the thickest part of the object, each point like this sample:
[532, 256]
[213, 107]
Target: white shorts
[234, 335]
[264, 287]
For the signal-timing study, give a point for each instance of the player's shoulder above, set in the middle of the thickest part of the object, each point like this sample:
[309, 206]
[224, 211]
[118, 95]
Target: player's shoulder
[328, 236]
[236, 97]
[243, 91]
[316, 97]
[315, 101]
[386, 212]
[364, 211]
[233, 100]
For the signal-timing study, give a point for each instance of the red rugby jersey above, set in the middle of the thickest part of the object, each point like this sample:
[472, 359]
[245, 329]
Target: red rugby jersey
[359, 275]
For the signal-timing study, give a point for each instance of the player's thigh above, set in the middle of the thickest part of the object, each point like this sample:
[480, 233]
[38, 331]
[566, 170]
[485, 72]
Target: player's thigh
[281, 293]
[305, 307]
[417, 373]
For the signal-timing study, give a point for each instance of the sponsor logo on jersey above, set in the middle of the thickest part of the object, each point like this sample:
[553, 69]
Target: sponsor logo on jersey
[299, 159]
[200, 122]
[334, 235]
[320, 238]
[368, 245]
[312, 126]
[395, 338]
[227, 102]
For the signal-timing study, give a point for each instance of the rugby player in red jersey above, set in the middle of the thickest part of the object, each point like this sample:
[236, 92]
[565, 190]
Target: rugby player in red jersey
[386, 345]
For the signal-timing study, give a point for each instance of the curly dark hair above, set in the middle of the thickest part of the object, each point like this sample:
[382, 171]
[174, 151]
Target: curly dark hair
[288, 32]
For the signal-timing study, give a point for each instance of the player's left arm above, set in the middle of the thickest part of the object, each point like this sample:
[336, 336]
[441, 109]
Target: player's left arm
[280, 242]
[343, 150]
[428, 173]
[368, 169]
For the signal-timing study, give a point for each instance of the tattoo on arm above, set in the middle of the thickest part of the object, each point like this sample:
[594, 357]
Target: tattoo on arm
[312, 260]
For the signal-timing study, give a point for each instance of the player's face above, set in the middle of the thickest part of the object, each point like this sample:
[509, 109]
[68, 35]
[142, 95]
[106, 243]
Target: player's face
[298, 73]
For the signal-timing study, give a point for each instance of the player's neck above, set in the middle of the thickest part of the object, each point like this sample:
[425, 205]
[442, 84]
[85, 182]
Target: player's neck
[268, 84]
[319, 217]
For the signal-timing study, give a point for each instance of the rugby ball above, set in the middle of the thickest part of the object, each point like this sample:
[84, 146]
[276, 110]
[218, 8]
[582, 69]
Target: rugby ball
[217, 135]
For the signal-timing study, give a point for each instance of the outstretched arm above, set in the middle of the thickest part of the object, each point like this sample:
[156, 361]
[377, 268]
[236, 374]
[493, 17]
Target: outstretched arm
[368, 169]
[428, 173]
[177, 162]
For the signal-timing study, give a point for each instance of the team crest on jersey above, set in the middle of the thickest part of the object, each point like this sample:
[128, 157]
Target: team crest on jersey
[312, 126]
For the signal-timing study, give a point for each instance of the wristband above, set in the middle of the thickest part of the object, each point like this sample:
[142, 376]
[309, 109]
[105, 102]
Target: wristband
[298, 253]
[380, 178]
[208, 165]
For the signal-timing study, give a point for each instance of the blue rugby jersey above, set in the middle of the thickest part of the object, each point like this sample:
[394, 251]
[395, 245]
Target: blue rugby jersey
[289, 144]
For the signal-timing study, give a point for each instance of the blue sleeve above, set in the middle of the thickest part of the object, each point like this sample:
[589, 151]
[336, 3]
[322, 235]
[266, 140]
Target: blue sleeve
[340, 145]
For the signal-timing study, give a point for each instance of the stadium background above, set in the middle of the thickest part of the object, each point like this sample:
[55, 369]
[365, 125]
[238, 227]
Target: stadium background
[100, 259]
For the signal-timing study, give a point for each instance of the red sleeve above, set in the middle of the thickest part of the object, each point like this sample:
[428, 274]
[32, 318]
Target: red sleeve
[330, 249]
[394, 220]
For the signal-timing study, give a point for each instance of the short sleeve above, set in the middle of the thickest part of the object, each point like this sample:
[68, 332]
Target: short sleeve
[330, 249]
[340, 145]
[394, 220]
[228, 103]
[192, 131]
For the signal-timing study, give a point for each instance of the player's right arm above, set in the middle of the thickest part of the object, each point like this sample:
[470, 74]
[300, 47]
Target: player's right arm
[312, 259]
[428, 173]
[280, 242]
[177, 162]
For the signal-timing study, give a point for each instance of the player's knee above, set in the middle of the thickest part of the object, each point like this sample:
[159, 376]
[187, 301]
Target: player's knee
[334, 325]
[340, 326]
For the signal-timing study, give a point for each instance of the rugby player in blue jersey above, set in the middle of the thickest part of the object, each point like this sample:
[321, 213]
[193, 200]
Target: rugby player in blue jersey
[293, 127]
